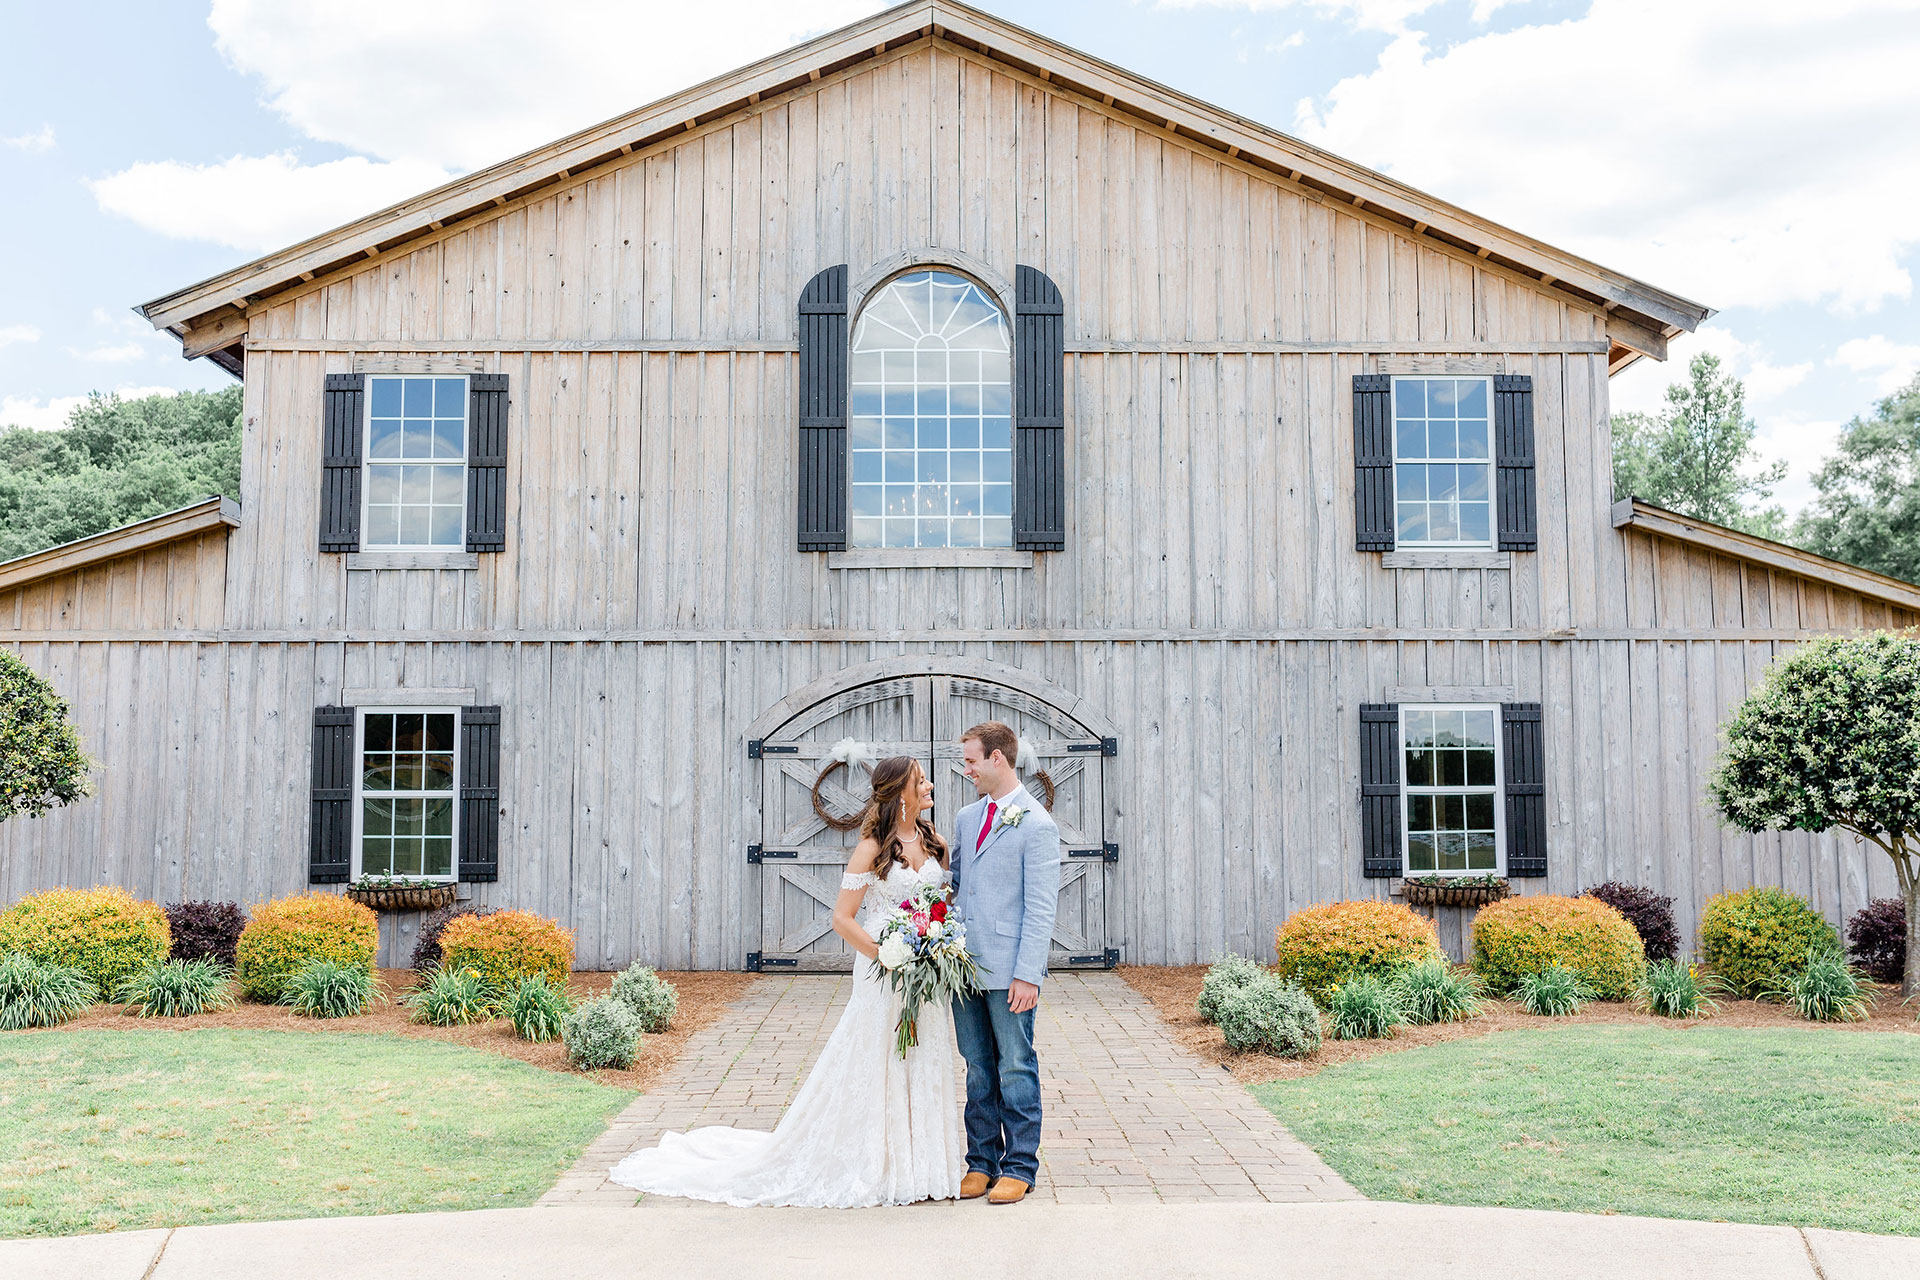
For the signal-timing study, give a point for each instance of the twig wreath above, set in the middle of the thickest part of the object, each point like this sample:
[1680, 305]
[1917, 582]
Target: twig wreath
[844, 754]
[1025, 758]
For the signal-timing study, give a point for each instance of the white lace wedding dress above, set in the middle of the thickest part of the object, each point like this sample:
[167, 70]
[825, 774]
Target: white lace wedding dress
[866, 1128]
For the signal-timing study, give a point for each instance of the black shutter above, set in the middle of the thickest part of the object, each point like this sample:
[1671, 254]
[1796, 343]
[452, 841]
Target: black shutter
[487, 462]
[1524, 759]
[479, 793]
[340, 462]
[823, 412]
[1379, 789]
[1039, 413]
[1373, 464]
[1513, 462]
[330, 838]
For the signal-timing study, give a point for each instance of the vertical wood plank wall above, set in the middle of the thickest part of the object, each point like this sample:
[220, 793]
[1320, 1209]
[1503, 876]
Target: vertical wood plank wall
[650, 603]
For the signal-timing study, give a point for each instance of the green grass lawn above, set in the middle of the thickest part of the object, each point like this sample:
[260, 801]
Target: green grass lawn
[1803, 1127]
[115, 1130]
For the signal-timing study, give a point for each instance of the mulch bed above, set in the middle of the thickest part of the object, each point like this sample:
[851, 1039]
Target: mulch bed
[702, 998]
[1173, 991]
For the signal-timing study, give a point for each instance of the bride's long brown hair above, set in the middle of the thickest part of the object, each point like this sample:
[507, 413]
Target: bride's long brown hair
[895, 779]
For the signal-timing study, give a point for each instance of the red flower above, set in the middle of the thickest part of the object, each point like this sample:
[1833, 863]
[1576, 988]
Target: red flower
[939, 911]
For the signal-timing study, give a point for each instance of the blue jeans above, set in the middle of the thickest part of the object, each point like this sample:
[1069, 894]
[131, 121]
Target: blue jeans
[1003, 1086]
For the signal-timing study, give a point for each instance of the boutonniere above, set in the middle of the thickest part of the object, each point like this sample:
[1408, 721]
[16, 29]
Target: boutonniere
[1012, 815]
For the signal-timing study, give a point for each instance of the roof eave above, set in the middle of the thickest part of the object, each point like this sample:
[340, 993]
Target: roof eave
[169, 526]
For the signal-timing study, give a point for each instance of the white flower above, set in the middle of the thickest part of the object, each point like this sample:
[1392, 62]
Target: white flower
[895, 951]
[936, 930]
[1012, 816]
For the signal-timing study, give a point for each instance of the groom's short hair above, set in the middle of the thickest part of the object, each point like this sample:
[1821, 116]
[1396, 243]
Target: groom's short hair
[994, 736]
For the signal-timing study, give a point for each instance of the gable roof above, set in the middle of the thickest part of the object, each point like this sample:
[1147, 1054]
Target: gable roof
[169, 526]
[1632, 513]
[209, 317]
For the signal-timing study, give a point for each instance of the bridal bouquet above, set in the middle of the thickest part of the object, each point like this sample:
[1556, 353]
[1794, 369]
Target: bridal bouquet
[925, 956]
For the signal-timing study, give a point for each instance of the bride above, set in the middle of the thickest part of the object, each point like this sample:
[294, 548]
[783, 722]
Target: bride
[868, 1127]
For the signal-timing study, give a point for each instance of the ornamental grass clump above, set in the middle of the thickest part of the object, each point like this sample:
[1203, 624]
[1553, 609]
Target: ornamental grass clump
[1756, 937]
[452, 998]
[650, 996]
[1226, 975]
[1877, 939]
[177, 989]
[1321, 947]
[1830, 741]
[1650, 914]
[105, 933]
[1553, 992]
[1825, 988]
[536, 1009]
[601, 1033]
[1674, 990]
[329, 989]
[507, 946]
[1367, 1007]
[1437, 992]
[205, 930]
[1522, 936]
[287, 934]
[36, 994]
[1266, 1015]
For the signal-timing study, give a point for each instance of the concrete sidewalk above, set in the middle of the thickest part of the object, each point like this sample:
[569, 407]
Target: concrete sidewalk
[1351, 1241]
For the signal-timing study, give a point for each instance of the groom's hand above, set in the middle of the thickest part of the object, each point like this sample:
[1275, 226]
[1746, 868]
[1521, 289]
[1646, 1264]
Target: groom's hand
[1021, 996]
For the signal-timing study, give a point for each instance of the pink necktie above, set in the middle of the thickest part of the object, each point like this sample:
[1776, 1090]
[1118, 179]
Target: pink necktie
[985, 827]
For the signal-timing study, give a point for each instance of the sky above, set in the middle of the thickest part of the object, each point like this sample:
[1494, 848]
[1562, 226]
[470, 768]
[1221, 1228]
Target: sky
[1759, 156]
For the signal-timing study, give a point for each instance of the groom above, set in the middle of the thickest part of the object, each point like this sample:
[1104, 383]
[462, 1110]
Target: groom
[1006, 871]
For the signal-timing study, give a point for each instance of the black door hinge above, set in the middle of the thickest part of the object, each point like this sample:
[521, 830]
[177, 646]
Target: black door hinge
[758, 963]
[1106, 747]
[758, 747]
[757, 853]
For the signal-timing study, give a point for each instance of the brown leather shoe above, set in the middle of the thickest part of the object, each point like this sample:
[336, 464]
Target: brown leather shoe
[974, 1185]
[1008, 1191]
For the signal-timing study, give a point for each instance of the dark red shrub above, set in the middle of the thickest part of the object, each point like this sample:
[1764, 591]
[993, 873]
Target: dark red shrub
[1877, 939]
[426, 949]
[1651, 914]
[204, 929]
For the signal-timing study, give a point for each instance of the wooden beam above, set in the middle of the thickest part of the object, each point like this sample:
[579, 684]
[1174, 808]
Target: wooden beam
[170, 526]
[1631, 513]
[1636, 337]
[209, 333]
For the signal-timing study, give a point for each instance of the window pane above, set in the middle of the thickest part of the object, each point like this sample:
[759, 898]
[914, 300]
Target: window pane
[933, 468]
[996, 399]
[379, 733]
[996, 466]
[408, 817]
[449, 438]
[868, 432]
[1473, 522]
[439, 817]
[1419, 813]
[1480, 812]
[438, 732]
[376, 817]
[1476, 728]
[446, 486]
[439, 772]
[900, 464]
[1409, 398]
[1473, 483]
[1420, 768]
[383, 438]
[1452, 849]
[996, 500]
[1441, 525]
[437, 859]
[416, 438]
[1420, 853]
[1442, 483]
[996, 533]
[932, 433]
[899, 533]
[450, 398]
[866, 466]
[376, 857]
[1473, 398]
[965, 433]
[1410, 482]
[933, 533]
[865, 532]
[899, 434]
[1480, 854]
[1453, 768]
[1440, 442]
[1479, 768]
[1443, 394]
[963, 467]
[383, 486]
[415, 528]
[385, 397]
[996, 433]
[1450, 813]
[1472, 436]
[1412, 438]
[418, 397]
[1413, 521]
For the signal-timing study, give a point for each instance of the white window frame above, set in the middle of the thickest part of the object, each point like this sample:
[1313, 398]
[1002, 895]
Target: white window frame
[1493, 497]
[1408, 790]
[360, 715]
[368, 462]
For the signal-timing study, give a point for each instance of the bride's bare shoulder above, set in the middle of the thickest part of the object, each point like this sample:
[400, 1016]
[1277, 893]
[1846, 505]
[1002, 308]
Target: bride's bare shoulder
[865, 854]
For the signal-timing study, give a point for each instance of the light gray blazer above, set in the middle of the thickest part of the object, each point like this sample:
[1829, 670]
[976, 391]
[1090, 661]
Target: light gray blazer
[1008, 891]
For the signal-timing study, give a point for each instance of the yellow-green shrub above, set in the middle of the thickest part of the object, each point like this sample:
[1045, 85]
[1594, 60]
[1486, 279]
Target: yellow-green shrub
[1519, 936]
[1321, 947]
[105, 933]
[1758, 936]
[508, 946]
[287, 933]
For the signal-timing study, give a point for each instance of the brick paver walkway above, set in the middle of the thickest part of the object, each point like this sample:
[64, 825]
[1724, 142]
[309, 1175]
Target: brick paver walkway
[1130, 1115]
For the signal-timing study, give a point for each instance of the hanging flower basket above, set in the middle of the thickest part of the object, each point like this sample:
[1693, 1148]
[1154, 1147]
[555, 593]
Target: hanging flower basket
[402, 896]
[1455, 891]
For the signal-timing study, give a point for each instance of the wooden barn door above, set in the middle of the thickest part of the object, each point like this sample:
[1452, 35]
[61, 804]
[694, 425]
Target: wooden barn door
[796, 866]
[1072, 760]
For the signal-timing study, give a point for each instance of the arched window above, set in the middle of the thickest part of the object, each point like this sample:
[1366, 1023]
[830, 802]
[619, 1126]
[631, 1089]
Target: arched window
[931, 416]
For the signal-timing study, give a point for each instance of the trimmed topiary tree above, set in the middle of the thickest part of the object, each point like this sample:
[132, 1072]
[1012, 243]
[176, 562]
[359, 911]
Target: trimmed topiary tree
[1830, 740]
[41, 764]
[1321, 947]
[1756, 938]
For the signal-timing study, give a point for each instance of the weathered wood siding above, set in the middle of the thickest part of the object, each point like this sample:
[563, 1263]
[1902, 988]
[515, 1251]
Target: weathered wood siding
[179, 585]
[650, 603]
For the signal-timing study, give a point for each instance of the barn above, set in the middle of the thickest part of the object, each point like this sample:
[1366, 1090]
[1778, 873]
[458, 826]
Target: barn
[928, 372]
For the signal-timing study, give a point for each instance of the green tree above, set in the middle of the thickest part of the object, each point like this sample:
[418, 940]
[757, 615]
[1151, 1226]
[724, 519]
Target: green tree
[1693, 457]
[1830, 740]
[41, 763]
[116, 461]
[1867, 507]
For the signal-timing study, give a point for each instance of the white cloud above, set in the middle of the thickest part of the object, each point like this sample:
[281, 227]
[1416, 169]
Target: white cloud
[12, 333]
[1699, 145]
[1891, 365]
[258, 203]
[461, 84]
[51, 414]
[1642, 387]
[1803, 444]
[1389, 16]
[120, 354]
[31, 142]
